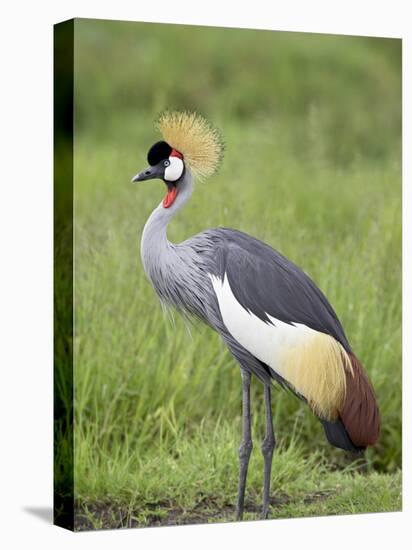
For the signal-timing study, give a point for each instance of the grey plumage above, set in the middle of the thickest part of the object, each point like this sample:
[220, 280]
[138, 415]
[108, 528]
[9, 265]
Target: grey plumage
[263, 283]
[180, 274]
[262, 280]
[267, 283]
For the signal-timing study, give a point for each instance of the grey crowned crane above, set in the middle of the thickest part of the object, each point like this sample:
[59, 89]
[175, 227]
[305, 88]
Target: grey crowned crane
[274, 319]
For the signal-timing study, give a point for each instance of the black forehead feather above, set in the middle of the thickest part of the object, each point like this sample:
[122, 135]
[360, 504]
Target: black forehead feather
[157, 152]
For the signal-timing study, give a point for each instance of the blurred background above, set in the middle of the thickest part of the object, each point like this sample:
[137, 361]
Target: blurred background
[312, 127]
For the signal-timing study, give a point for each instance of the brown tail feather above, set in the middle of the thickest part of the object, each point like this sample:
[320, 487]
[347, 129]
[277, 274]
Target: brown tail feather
[360, 413]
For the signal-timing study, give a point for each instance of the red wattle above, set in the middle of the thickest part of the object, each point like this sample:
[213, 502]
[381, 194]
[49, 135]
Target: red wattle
[176, 153]
[170, 197]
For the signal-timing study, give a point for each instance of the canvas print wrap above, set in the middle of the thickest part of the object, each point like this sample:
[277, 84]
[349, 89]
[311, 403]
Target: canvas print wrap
[227, 274]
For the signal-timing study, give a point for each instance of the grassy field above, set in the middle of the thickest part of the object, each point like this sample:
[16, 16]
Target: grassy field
[313, 167]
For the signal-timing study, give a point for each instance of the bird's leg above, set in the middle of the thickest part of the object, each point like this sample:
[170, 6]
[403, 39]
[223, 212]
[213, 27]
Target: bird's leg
[268, 446]
[246, 445]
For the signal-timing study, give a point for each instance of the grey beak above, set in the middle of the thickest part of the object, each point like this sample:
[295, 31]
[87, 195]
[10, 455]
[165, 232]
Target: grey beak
[150, 173]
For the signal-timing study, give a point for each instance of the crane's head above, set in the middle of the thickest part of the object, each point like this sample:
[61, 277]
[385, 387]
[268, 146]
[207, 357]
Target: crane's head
[167, 164]
[189, 142]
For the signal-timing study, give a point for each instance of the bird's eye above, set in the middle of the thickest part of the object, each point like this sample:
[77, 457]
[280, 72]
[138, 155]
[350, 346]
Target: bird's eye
[166, 163]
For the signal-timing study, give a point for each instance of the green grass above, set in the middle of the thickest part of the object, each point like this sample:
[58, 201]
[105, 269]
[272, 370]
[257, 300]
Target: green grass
[312, 166]
[200, 474]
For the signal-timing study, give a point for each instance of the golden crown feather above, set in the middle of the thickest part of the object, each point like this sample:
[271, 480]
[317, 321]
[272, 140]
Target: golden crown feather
[192, 135]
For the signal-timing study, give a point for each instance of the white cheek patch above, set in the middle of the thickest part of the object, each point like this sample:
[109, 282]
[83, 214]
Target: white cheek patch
[174, 170]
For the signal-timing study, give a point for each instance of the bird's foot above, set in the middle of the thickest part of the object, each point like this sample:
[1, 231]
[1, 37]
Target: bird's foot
[265, 513]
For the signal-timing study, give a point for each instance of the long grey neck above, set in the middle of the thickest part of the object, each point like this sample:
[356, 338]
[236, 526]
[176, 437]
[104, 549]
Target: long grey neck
[155, 246]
